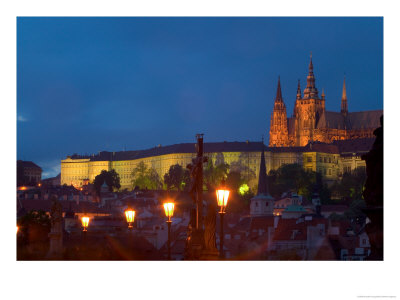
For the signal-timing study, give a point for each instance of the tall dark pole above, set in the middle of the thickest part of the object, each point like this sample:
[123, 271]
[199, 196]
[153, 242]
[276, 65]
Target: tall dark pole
[169, 239]
[199, 206]
[84, 233]
[221, 238]
[130, 229]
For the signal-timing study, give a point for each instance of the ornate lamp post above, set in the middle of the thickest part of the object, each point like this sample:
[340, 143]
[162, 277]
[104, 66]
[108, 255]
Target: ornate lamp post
[169, 212]
[222, 199]
[130, 217]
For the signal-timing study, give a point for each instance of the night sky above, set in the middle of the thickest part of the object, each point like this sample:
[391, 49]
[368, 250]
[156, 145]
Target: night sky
[90, 84]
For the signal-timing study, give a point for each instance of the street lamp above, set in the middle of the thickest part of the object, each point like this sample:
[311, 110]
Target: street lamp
[169, 212]
[130, 217]
[85, 223]
[222, 199]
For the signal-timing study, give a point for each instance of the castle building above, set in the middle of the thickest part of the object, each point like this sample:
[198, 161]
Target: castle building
[311, 122]
[331, 160]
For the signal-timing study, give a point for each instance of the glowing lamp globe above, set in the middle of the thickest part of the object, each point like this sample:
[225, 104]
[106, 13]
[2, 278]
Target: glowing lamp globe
[169, 209]
[85, 223]
[130, 217]
[222, 198]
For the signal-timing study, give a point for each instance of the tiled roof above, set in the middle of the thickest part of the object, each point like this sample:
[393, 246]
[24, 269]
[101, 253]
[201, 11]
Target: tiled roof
[45, 205]
[27, 164]
[262, 223]
[355, 145]
[177, 148]
[289, 229]
[321, 147]
[189, 148]
[353, 120]
[364, 119]
[330, 119]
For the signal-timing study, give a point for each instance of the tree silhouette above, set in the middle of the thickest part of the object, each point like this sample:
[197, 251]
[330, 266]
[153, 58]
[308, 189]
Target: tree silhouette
[111, 178]
[177, 177]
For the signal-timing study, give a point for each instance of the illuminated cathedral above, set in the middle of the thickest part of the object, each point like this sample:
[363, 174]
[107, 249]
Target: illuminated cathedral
[311, 122]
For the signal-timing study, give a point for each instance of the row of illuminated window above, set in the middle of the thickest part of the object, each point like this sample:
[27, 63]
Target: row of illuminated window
[74, 177]
[327, 159]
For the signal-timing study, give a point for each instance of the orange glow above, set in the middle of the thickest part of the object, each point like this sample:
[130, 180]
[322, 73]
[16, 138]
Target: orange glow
[17, 229]
[22, 188]
[85, 223]
[39, 184]
[169, 209]
[222, 199]
[130, 217]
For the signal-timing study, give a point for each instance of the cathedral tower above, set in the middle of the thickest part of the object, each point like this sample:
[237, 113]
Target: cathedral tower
[278, 134]
[309, 109]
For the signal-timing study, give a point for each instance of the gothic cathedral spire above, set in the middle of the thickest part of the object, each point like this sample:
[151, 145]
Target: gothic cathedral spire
[298, 96]
[343, 107]
[279, 91]
[278, 134]
[310, 92]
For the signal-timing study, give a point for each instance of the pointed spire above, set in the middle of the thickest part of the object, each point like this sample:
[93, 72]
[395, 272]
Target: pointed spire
[343, 106]
[323, 94]
[344, 96]
[279, 91]
[310, 91]
[298, 96]
[262, 177]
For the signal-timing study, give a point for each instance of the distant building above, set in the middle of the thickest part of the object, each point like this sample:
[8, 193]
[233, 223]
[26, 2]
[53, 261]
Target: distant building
[311, 122]
[28, 173]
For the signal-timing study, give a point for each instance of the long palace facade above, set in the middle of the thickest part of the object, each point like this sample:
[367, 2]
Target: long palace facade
[331, 160]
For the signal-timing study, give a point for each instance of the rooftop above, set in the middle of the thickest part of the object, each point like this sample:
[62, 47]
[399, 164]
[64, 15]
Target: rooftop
[190, 148]
[27, 164]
